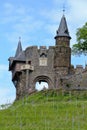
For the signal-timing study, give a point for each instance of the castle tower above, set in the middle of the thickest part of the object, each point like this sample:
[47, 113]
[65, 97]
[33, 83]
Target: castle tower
[62, 37]
[15, 64]
[62, 54]
[35, 64]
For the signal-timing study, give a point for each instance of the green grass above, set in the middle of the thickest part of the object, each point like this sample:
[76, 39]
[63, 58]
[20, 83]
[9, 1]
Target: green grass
[47, 110]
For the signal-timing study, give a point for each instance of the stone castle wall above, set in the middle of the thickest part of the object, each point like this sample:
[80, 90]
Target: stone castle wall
[42, 60]
[78, 80]
[52, 65]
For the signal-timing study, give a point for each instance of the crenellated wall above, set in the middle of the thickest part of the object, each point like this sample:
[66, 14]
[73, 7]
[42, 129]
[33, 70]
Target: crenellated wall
[77, 80]
[52, 65]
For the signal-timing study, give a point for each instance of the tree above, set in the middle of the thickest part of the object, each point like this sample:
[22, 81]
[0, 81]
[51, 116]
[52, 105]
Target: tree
[81, 46]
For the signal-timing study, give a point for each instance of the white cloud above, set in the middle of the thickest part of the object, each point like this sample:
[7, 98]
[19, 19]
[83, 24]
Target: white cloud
[7, 90]
[20, 23]
[3, 71]
[9, 8]
[51, 17]
[6, 96]
[78, 11]
[25, 22]
[3, 67]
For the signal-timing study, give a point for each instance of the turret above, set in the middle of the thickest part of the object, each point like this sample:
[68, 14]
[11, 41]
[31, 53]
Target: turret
[16, 61]
[62, 54]
[62, 37]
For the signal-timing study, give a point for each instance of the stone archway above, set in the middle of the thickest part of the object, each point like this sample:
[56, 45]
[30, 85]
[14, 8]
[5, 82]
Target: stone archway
[42, 85]
[43, 78]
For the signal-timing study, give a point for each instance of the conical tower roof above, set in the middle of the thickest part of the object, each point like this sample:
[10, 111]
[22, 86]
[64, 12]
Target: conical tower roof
[19, 49]
[63, 29]
[19, 56]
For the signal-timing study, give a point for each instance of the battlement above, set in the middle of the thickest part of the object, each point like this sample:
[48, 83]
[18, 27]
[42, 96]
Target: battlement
[40, 47]
[42, 63]
[79, 66]
[43, 47]
[79, 69]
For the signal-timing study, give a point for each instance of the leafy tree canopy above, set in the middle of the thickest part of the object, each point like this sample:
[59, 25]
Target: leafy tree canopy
[81, 46]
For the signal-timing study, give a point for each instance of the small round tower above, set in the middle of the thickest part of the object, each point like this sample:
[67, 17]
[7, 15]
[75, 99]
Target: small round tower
[62, 52]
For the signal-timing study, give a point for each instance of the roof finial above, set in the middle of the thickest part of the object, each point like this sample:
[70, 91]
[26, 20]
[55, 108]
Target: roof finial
[19, 48]
[63, 9]
[19, 38]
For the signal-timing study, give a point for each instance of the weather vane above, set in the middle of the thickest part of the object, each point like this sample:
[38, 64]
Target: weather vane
[19, 38]
[63, 8]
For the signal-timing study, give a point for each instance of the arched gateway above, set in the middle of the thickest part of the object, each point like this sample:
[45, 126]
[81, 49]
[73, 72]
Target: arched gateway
[49, 65]
[46, 79]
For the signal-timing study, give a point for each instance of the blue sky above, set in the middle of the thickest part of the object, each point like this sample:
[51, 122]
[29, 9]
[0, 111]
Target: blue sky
[36, 21]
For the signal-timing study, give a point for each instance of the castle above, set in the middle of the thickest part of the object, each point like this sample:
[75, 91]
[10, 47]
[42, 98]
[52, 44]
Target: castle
[51, 65]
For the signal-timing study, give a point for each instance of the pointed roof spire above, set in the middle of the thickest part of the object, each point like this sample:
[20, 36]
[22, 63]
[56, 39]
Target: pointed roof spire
[63, 29]
[19, 48]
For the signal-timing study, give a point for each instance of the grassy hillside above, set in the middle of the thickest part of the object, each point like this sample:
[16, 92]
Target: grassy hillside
[47, 110]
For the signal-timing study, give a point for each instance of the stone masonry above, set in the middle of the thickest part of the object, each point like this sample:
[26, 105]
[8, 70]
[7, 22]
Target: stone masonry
[52, 65]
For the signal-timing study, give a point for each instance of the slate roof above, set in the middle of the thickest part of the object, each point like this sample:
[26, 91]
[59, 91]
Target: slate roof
[19, 55]
[19, 49]
[63, 29]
